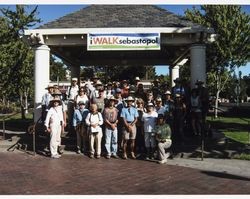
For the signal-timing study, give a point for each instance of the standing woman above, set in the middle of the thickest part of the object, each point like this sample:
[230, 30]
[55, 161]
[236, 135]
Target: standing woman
[149, 119]
[82, 97]
[94, 120]
[139, 140]
[54, 123]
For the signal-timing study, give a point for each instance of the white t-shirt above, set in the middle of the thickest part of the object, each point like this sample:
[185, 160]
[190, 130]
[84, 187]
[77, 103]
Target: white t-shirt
[149, 121]
[72, 92]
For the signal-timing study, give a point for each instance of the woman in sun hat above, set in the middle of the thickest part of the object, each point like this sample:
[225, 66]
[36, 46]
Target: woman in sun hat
[54, 123]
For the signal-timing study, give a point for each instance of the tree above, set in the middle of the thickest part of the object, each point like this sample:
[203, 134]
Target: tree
[16, 56]
[57, 70]
[232, 46]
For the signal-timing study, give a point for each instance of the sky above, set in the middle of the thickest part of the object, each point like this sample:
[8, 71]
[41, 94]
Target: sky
[49, 13]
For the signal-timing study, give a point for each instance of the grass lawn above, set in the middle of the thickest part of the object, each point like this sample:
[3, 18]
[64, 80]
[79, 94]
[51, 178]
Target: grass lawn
[233, 127]
[236, 129]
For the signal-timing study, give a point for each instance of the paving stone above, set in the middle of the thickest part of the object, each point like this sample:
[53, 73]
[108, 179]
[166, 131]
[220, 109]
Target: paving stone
[26, 174]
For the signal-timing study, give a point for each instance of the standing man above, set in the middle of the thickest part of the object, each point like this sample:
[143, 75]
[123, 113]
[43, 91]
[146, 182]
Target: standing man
[80, 126]
[129, 116]
[46, 101]
[204, 98]
[71, 93]
[110, 115]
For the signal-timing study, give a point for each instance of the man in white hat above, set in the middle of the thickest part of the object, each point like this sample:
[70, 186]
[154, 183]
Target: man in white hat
[169, 108]
[178, 88]
[80, 126]
[46, 99]
[204, 97]
[129, 115]
[71, 93]
[110, 117]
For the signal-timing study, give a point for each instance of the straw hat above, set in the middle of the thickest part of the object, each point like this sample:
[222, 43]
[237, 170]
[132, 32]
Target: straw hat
[49, 86]
[56, 99]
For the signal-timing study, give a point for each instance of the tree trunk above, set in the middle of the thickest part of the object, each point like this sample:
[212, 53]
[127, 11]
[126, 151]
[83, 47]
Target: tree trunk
[22, 106]
[26, 103]
[216, 103]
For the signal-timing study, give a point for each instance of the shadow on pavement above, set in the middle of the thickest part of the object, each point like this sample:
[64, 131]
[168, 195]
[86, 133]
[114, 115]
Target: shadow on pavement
[225, 175]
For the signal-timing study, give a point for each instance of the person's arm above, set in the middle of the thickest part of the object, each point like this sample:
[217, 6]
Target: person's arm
[100, 119]
[47, 120]
[87, 120]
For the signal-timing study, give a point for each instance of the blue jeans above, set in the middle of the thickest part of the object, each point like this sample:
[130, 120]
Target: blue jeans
[111, 141]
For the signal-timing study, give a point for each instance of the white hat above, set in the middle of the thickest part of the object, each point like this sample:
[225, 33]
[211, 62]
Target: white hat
[137, 78]
[56, 99]
[150, 104]
[130, 98]
[49, 86]
[167, 93]
[98, 82]
[74, 79]
[158, 99]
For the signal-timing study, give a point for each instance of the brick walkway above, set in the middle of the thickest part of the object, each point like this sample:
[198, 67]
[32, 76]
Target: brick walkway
[74, 174]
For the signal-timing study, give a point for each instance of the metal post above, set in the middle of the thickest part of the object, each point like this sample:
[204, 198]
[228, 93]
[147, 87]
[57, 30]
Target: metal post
[3, 128]
[202, 139]
[202, 146]
[249, 133]
[34, 140]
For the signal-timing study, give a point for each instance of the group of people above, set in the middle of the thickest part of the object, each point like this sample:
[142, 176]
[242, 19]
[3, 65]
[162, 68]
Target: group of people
[123, 118]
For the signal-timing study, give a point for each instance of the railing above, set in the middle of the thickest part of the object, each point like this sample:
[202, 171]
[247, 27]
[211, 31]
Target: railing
[6, 116]
[31, 128]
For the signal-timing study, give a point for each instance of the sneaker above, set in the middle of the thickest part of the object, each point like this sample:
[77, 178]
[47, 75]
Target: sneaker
[56, 156]
[133, 155]
[167, 155]
[115, 156]
[91, 156]
[108, 157]
[78, 151]
[164, 161]
[125, 156]
[98, 157]
[60, 151]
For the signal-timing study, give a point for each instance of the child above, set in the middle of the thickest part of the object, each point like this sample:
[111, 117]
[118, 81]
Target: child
[55, 123]
[163, 136]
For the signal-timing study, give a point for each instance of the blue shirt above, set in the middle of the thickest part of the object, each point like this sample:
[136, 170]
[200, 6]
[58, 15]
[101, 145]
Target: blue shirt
[130, 114]
[80, 116]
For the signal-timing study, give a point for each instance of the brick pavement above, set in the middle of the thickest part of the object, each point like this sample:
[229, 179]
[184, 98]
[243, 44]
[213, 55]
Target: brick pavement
[74, 174]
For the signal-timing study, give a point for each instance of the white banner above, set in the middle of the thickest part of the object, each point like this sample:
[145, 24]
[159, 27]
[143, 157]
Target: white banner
[123, 41]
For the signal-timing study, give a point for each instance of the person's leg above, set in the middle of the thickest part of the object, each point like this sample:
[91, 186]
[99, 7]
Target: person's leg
[147, 144]
[125, 139]
[132, 148]
[108, 133]
[78, 140]
[132, 137]
[153, 146]
[161, 151]
[98, 141]
[91, 145]
[114, 142]
[54, 140]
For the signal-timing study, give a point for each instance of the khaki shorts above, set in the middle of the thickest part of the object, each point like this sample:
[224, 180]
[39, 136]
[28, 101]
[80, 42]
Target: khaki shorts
[127, 135]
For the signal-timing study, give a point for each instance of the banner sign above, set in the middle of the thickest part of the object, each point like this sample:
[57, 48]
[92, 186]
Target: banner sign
[123, 41]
